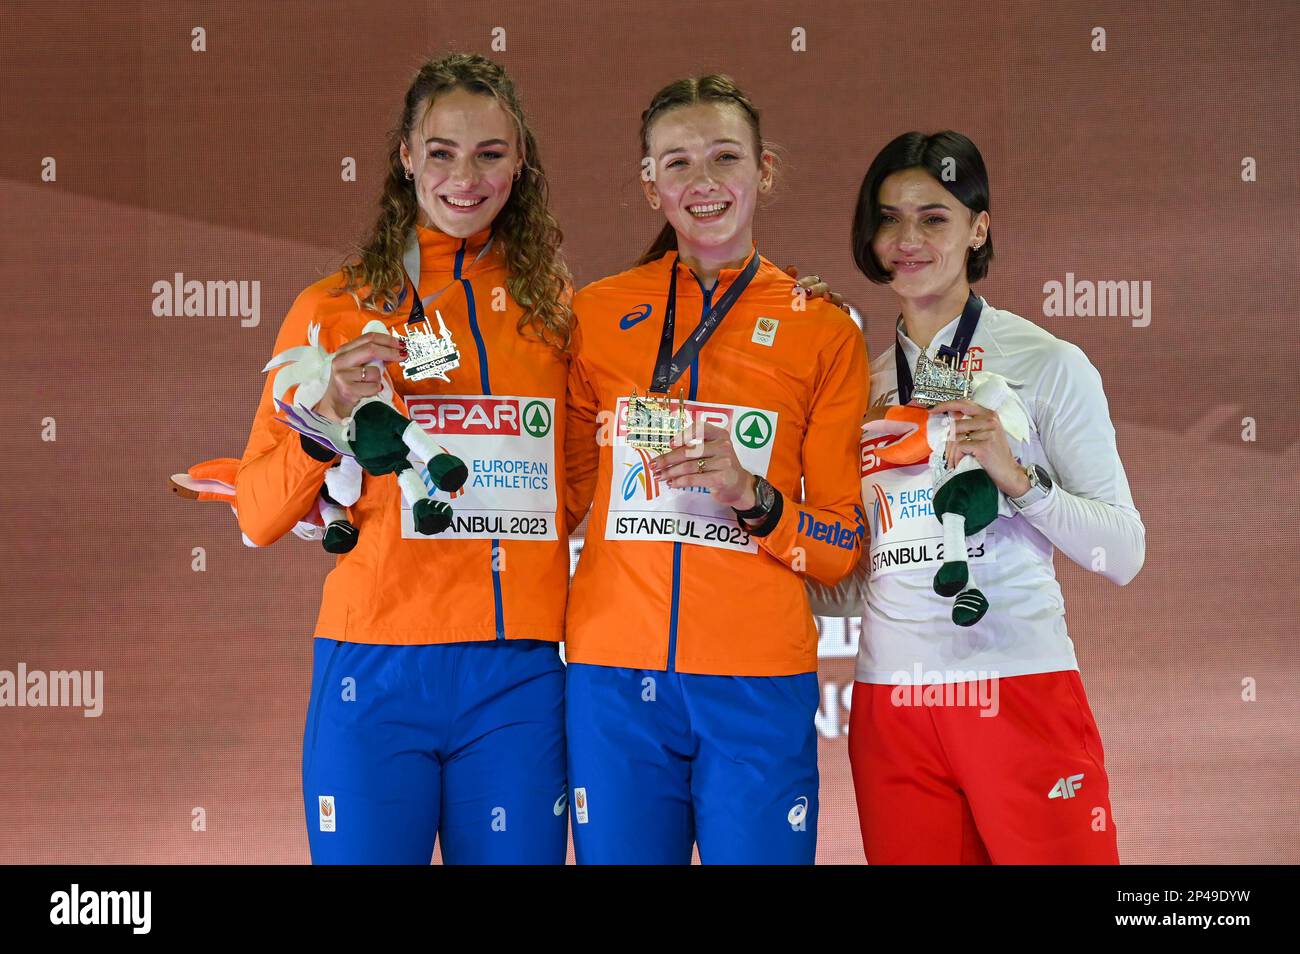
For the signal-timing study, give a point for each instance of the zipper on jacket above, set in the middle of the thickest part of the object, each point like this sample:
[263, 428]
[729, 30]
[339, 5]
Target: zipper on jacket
[485, 382]
[677, 547]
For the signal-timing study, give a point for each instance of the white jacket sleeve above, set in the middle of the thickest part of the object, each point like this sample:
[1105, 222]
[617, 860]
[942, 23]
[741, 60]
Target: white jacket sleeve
[848, 597]
[1089, 514]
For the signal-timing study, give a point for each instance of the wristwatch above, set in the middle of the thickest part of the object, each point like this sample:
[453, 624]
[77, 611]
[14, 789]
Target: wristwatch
[1040, 485]
[761, 519]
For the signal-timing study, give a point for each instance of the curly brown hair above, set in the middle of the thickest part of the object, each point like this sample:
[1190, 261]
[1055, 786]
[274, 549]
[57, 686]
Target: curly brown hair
[538, 278]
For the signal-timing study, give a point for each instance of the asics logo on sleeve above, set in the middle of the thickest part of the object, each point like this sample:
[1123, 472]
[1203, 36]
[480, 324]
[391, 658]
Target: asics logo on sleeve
[635, 317]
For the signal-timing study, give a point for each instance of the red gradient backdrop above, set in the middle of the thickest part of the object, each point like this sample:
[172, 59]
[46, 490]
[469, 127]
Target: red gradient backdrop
[1117, 165]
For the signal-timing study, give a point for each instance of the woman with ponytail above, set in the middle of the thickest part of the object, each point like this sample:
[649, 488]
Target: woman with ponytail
[437, 693]
[692, 653]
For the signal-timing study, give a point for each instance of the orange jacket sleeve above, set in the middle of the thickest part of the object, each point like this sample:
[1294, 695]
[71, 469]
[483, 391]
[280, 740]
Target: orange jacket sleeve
[581, 450]
[822, 535]
[278, 482]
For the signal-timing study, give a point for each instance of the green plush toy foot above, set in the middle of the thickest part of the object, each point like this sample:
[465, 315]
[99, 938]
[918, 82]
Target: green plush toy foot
[340, 537]
[951, 579]
[431, 516]
[447, 472]
[969, 608]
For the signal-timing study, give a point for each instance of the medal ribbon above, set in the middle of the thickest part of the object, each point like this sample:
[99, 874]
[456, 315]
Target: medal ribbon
[417, 307]
[669, 366]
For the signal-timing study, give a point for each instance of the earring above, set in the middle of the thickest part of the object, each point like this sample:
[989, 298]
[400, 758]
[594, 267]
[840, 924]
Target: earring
[518, 172]
[409, 174]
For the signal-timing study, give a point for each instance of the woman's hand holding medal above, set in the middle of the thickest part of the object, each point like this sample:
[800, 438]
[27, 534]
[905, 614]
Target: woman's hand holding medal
[351, 377]
[705, 457]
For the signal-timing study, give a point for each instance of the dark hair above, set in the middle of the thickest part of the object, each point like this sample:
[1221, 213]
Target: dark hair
[714, 88]
[965, 178]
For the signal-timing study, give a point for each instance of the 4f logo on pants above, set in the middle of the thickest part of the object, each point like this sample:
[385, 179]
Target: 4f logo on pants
[1066, 787]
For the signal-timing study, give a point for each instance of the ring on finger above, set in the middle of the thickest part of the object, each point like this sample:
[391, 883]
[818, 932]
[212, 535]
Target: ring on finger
[699, 468]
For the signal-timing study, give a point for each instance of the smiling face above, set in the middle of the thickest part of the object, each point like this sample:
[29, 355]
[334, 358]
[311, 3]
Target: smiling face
[708, 174]
[464, 157]
[924, 235]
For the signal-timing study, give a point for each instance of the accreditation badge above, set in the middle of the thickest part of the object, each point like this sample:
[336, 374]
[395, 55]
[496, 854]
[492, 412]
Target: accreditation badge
[642, 507]
[508, 445]
[899, 502]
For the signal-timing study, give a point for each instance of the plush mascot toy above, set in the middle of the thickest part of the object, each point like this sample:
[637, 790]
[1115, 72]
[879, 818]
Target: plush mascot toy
[965, 498]
[378, 434]
[328, 520]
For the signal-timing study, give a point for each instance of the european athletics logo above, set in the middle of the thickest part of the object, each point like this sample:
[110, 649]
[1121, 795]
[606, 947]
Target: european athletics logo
[639, 475]
[882, 517]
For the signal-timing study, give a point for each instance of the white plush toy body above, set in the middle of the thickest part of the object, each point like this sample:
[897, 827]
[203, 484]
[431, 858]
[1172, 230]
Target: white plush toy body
[377, 433]
[965, 499]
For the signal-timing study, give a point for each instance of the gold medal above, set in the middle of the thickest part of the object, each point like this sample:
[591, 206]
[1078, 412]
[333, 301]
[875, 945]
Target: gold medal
[653, 420]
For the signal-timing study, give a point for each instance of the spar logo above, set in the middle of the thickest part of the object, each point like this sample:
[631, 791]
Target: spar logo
[537, 418]
[753, 429]
[469, 415]
[868, 458]
[882, 515]
[640, 478]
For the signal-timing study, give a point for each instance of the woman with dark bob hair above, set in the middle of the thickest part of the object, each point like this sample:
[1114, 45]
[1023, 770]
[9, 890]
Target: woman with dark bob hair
[971, 738]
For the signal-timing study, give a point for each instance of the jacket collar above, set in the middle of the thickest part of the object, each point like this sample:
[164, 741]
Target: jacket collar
[725, 277]
[431, 252]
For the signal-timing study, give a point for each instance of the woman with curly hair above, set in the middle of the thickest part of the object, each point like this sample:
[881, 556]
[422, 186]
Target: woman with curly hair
[437, 702]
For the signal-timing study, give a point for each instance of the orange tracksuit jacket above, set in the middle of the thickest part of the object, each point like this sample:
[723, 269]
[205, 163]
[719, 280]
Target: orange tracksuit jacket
[392, 590]
[667, 604]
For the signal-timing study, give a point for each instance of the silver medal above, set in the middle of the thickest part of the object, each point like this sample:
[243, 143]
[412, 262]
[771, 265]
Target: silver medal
[429, 355]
